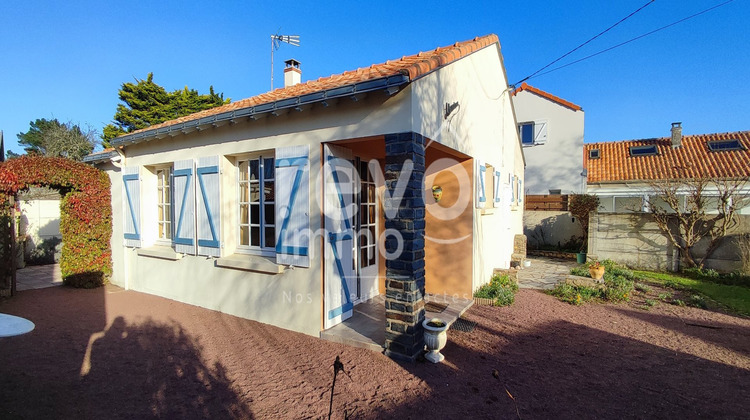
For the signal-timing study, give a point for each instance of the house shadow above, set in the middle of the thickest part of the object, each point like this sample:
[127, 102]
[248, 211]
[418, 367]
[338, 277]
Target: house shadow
[564, 370]
[76, 365]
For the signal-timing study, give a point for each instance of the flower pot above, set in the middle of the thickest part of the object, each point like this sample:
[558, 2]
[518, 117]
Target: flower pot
[597, 272]
[435, 337]
[581, 258]
[527, 263]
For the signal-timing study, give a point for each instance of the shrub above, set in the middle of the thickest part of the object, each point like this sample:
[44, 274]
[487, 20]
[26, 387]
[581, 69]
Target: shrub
[703, 274]
[500, 288]
[642, 288]
[698, 301]
[618, 285]
[85, 213]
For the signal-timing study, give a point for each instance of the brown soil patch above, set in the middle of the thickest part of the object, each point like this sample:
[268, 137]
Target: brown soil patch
[150, 357]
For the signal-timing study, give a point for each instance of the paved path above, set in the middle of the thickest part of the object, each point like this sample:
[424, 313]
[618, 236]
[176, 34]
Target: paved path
[544, 273]
[38, 277]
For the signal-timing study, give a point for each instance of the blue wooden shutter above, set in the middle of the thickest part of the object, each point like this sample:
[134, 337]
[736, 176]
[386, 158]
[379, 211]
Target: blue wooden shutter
[481, 171]
[512, 189]
[497, 199]
[293, 206]
[520, 190]
[183, 191]
[131, 199]
[208, 211]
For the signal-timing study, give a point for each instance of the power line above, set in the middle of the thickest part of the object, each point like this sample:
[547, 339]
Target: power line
[633, 39]
[578, 47]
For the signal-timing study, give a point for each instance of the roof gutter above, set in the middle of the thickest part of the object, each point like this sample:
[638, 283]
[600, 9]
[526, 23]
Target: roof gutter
[391, 84]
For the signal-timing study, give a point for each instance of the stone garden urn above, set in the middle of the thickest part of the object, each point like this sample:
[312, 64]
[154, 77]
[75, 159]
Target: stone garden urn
[435, 338]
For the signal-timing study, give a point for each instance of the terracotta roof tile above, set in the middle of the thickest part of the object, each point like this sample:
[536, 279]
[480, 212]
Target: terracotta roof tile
[551, 97]
[691, 160]
[413, 66]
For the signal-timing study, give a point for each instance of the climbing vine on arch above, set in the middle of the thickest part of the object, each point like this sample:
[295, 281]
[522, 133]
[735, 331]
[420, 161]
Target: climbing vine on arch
[85, 212]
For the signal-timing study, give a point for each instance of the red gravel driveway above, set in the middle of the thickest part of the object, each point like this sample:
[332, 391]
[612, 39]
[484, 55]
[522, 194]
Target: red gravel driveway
[109, 353]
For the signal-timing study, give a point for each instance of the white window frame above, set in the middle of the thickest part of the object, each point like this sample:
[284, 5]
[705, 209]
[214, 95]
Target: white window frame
[262, 226]
[160, 202]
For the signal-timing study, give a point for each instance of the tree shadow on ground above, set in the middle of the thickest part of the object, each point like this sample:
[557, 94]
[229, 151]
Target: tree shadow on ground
[71, 366]
[565, 370]
[730, 336]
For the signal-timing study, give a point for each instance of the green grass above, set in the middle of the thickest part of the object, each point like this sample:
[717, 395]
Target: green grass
[736, 298]
[501, 289]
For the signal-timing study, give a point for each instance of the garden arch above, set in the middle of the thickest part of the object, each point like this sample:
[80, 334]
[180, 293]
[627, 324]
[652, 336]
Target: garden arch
[85, 213]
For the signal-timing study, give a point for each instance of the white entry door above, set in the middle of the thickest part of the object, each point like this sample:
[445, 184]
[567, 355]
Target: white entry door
[340, 208]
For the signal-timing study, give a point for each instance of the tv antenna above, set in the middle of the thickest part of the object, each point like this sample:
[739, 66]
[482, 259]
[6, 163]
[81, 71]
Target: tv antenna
[276, 41]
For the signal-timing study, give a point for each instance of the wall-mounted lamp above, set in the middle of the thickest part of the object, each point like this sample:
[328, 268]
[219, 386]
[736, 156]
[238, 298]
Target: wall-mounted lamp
[437, 193]
[449, 108]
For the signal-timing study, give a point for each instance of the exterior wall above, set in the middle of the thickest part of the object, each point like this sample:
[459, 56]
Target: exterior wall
[558, 163]
[482, 127]
[292, 299]
[635, 240]
[40, 221]
[448, 243]
[553, 228]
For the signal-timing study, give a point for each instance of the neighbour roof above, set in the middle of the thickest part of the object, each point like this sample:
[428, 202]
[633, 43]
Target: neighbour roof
[411, 67]
[692, 159]
[101, 155]
[543, 94]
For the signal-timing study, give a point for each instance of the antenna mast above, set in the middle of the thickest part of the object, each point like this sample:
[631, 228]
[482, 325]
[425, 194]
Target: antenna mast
[276, 41]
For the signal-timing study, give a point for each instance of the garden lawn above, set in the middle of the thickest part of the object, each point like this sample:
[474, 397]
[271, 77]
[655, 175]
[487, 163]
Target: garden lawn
[735, 298]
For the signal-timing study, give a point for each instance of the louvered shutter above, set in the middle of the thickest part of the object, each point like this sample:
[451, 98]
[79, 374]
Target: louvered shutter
[497, 199]
[293, 206]
[481, 171]
[208, 211]
[540, 132]
[520, 190]
[512, 189]
[184, 207]
[131, 199]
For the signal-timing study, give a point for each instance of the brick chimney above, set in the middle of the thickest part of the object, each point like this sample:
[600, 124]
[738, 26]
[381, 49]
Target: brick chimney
[292, 73]
[676, 134]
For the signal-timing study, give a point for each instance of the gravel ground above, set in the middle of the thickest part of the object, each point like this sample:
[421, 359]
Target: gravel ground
[109, 353]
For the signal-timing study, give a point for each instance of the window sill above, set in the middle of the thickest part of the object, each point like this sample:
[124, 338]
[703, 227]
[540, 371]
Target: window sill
[250, 263]
[487, 211]
[159, 251]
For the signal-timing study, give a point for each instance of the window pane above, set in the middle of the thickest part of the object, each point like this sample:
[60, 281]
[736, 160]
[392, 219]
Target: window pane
[527, 133]
[255, 236]
[243, 192]
[254, 192]
[372, 213]
[363, 215]
[372, 232]
[161, 213]
[161, 230]
[371, 193]
[244, 235]
[254, 170]
[269, 215]
[244, 218]
[363, 261]
[255, 214]
[372, 253]
[269, 191]
[243, 171]
[168, 230]
[270, 237]
[268, 168]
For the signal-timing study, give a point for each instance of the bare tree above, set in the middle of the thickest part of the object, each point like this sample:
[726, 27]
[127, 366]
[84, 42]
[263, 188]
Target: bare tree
[689, 210]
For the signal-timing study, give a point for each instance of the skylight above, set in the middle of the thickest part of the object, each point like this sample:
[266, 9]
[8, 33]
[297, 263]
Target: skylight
[724, 145]
[643, 151]
[594, 154]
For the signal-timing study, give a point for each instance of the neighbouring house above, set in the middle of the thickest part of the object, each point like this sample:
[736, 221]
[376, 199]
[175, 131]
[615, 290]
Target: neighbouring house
[551, 131]
[293, 206]
[622, 174]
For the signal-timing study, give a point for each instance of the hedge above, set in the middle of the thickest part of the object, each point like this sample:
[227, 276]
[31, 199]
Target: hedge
[85, 212]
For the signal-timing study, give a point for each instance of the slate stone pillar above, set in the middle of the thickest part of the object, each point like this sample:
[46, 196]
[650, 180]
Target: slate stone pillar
[405, 211]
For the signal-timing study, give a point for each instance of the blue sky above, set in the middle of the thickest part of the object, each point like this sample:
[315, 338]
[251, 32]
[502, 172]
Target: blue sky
[67, 60]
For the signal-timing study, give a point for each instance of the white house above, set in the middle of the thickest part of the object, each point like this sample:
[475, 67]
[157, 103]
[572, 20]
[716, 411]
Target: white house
[293, 206]
[624, 174]
[551, 131]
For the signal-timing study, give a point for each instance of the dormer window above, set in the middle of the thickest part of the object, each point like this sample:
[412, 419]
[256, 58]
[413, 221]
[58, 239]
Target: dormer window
[594, 154]
[724, 145]
[643, 151]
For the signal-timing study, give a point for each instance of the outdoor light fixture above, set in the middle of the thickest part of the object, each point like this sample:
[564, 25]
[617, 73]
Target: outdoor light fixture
[437, 193]
[449, 108]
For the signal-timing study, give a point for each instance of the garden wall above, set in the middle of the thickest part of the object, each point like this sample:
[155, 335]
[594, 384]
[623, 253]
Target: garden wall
[550, 229]
[635, 240]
